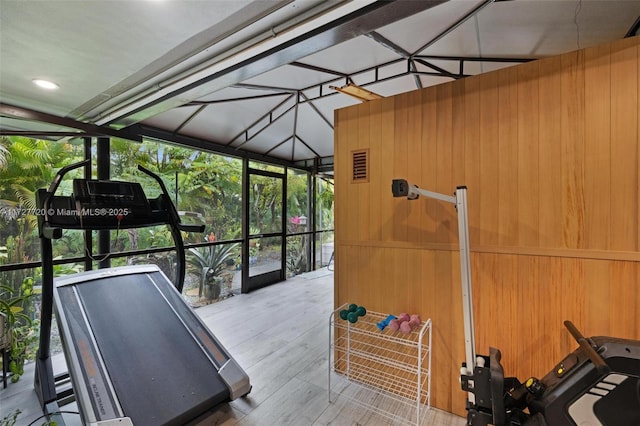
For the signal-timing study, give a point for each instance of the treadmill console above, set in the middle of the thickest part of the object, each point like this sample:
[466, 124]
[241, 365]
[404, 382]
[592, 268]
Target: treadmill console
[110, 204]
[109, 194]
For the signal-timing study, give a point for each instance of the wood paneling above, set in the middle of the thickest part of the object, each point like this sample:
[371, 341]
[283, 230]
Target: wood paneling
[624, 145]
[572, 148]
[487, 228]
[597, 151]
[549, 153]
[429, 222]
[507, 194]
[528, 187]
[386, 172]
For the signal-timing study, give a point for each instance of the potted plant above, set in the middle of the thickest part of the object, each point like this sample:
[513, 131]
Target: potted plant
[254, 249]
[209, 262]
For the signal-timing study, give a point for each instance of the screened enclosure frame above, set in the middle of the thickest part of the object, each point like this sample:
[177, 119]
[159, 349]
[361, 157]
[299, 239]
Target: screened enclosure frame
[99, 146]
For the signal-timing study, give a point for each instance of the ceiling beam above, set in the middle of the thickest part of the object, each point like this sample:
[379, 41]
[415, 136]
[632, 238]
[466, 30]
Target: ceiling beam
[318, 69]
[155, 133]
[383, 41]
[474, 58]
[241, 98]
[470, 14]
[45, 135]
[438, 69]
[279, 144]
[259, 120]
[13, 111]
[263, 87]
[307, 145]
[633, 30]
[191, 117]
[420, 58]
[315, 108]
[342, 23]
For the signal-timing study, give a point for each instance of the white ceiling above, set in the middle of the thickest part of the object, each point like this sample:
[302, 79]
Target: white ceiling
[254, 76]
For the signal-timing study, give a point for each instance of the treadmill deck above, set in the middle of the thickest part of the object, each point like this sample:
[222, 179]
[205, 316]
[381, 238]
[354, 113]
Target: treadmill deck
[135, 349]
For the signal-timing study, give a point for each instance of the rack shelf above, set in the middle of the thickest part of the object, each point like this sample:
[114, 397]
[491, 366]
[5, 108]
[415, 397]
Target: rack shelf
[386, 372]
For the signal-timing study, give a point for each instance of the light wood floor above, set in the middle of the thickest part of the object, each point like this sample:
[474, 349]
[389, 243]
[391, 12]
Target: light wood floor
[279, 335]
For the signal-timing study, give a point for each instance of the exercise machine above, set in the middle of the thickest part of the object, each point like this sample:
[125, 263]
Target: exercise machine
[597, 384]
[136, 353]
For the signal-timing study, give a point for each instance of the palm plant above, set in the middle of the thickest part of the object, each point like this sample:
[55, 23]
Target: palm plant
[16, 332]
[209, 262]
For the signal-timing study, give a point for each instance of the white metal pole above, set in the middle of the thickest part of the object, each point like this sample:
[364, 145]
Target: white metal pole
[465, 269]
[401, 188]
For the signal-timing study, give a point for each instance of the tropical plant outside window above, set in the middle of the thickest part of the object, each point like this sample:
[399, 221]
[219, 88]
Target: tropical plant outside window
[324, 221]
[298, 223]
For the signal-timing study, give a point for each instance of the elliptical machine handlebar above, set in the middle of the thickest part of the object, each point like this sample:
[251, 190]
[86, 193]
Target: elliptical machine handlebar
[588, 348]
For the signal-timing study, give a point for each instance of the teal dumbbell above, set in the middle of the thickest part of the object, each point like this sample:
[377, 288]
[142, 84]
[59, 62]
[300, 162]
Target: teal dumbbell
[352, 313]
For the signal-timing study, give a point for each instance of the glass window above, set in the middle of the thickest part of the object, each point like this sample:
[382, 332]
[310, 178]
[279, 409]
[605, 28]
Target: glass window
[265, 255]
[206, 188]
[298, 219]
[265, 204]
[324, 204]
[324, 249]
[266, 167]
[27, 165]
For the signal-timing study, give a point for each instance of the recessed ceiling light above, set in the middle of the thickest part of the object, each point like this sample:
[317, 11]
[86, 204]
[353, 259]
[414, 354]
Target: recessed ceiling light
[45, 84]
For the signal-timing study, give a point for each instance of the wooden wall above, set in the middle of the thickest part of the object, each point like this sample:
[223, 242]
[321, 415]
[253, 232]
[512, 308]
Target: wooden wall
[549, 153]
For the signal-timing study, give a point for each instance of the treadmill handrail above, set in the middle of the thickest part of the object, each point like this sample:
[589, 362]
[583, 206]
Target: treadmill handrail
[56, 182]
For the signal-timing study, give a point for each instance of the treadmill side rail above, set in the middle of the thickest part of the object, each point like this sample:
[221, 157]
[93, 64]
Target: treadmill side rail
[89, 376]
[118, 350]
[124, 421]
[235, 378]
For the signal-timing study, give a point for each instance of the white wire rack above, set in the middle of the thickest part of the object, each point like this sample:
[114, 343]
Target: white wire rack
[386, 372]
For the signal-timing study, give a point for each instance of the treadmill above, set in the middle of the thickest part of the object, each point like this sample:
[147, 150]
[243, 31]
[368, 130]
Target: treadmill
[136, 353]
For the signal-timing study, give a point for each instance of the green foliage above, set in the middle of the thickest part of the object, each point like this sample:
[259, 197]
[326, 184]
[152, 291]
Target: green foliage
[19, 331]
[210, 258]
[4, 151]
[265, 201]
[296, 255]
[157, 236]
[10, 419]
[209, 262]
[66, 268]
[31, 164]
[202, 183]
[324, 206]
[297, 194]
[25, 166]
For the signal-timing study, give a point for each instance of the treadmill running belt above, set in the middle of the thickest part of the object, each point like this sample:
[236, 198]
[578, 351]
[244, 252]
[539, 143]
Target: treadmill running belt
[159, 372]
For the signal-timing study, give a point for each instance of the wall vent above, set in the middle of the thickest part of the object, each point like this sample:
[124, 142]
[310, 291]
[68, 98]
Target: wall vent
[360, 166]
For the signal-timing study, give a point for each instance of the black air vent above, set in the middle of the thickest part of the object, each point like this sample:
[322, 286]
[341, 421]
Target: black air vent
[360, 166]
